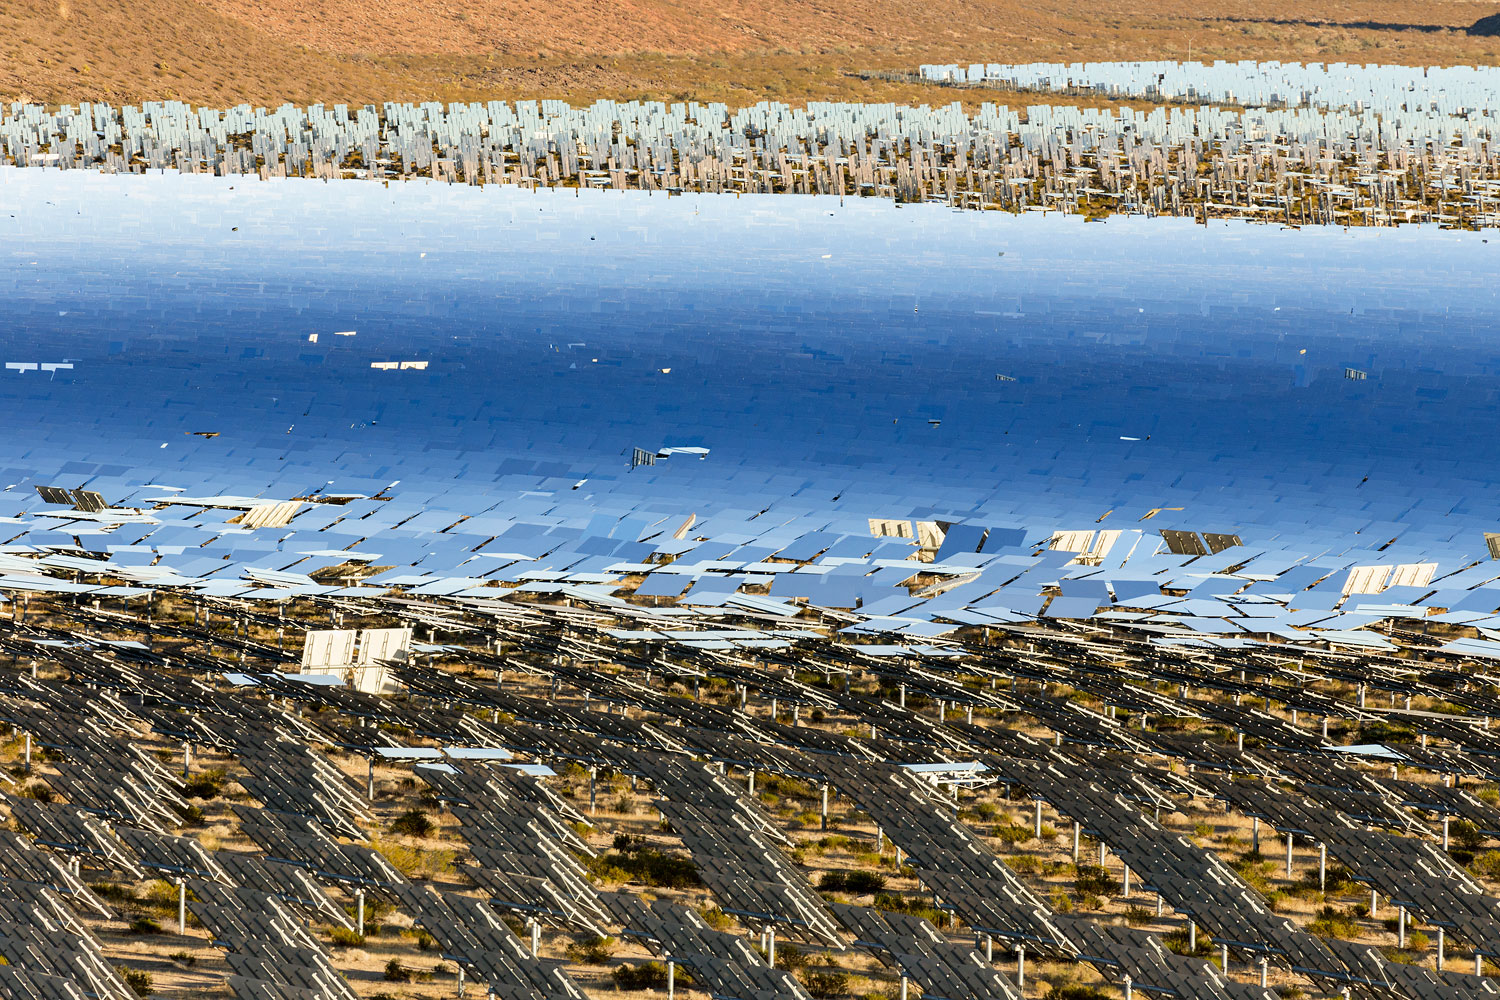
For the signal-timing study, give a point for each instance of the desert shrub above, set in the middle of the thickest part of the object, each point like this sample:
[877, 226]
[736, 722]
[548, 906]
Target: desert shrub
[113, 891]
[858, 883]
[160, 895]
[593, 951]
[1093, 880]
[139, 980]
[654, 868]
[1177, 941]
[1338, 879]
[1075, 991]
[343, 937]
[1011, 834]
[190, 815]
[1486, 865]
[144, 925]
[827, 985]
[894, 903]
[204, 785]
[648, 976]
[37, 790]
[395, 972]
[1252, 869]
[1023, 864]
[1331, 922]
[790, 957]
[787, 787]
[415, 862]
[1384, 732]
[412, 823]
[1466, 833]
[716, 918]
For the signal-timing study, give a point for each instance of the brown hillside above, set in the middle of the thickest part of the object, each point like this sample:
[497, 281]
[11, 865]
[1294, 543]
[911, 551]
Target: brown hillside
[269, 51]
[586, 27]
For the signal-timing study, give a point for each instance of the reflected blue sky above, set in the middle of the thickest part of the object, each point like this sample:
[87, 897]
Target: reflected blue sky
[856, 350]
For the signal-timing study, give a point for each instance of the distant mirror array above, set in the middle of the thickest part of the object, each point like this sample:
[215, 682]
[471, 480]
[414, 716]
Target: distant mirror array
[1374, 146]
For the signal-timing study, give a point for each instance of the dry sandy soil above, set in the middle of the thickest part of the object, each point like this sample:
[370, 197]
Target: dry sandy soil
[358, 51]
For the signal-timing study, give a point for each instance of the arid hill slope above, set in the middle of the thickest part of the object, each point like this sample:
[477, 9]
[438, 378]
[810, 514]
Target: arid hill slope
[358, 51]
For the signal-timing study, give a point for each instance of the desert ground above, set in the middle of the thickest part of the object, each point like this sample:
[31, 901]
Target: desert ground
[223, 52]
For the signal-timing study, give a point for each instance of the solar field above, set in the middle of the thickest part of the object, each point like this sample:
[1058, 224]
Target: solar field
[438, 589]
